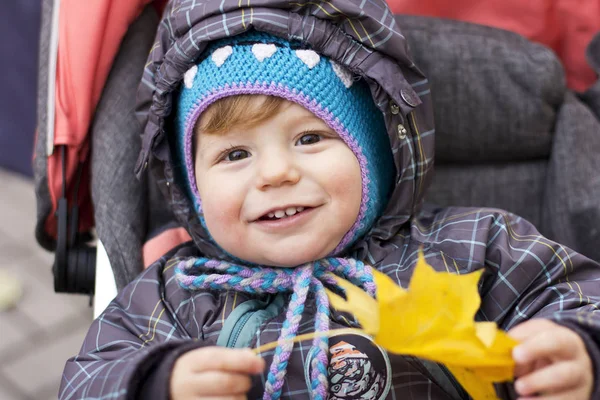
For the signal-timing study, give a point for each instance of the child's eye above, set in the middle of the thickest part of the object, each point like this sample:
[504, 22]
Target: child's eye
[236, 155]
[309, 138]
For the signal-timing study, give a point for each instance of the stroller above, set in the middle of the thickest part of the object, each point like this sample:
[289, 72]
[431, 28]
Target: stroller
[509, 135]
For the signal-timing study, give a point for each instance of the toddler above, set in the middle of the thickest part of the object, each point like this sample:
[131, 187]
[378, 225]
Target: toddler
[295, 148]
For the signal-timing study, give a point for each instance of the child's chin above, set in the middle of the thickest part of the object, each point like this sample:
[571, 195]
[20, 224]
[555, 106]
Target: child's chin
[290, 259]
[288, 262]
[283, 254]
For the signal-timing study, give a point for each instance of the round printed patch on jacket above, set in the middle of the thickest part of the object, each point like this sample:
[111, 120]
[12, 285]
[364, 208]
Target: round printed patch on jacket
[358, 369]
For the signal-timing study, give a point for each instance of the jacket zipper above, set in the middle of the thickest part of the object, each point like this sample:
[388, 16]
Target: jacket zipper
[52, 62]
[237, 330]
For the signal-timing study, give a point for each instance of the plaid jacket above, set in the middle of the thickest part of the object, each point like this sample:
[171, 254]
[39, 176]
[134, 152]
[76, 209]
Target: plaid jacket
[131, 347]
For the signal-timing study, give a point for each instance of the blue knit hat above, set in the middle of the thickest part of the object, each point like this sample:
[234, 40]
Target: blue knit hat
[259, 63]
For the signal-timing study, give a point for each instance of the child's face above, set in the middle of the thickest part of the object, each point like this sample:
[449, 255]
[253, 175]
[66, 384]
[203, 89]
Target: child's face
[292, 163]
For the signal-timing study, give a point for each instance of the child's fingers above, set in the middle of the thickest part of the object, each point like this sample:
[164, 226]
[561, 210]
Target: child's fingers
[522, 369]
[556, 378]
[555, 344]
[218, 383]
[224, 359]
[531, 328]
[569, 395]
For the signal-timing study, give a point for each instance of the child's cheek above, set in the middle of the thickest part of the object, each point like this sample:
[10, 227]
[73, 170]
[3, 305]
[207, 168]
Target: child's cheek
[222, 215]
[345, 184]
[219, 214]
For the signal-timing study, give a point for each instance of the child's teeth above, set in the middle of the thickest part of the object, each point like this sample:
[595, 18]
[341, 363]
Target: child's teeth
[279, 213]
[290, 211]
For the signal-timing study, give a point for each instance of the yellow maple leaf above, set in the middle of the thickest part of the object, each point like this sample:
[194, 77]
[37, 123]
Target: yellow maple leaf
[434, 320]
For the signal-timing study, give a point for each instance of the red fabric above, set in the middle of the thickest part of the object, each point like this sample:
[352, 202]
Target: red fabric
[160, 245]
[566, 26]
[90, 33]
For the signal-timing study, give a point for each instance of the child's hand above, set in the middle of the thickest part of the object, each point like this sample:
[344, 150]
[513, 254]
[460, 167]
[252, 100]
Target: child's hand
[551, 361]
[215, 372]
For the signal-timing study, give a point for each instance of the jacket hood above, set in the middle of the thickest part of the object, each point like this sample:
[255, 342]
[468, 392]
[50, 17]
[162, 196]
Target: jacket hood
[362, 37]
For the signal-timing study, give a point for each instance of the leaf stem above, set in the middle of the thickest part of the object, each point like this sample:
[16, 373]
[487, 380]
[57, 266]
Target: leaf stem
[342, 331]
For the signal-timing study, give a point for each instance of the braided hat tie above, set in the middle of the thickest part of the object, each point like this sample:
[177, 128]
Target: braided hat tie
[210, 274]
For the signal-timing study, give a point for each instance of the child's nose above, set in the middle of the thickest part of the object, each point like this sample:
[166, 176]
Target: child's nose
[277, 169]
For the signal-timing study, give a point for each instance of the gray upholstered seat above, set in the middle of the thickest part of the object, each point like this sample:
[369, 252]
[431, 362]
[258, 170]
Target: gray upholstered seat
[509, 134]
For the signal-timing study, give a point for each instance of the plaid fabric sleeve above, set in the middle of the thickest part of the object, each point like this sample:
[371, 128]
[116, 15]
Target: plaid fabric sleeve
[125, 344]
[538, 278]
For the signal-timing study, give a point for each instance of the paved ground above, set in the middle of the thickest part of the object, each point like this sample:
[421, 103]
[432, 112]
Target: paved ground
[44, 329]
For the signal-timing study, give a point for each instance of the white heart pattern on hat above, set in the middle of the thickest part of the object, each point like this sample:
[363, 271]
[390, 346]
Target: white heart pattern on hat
[188, 78]
[263, 51]
[220, 55]
[344, 75]
[308, 57]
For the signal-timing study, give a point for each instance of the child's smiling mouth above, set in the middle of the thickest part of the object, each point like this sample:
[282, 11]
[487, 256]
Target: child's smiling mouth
[284, 217]
[282, 213]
